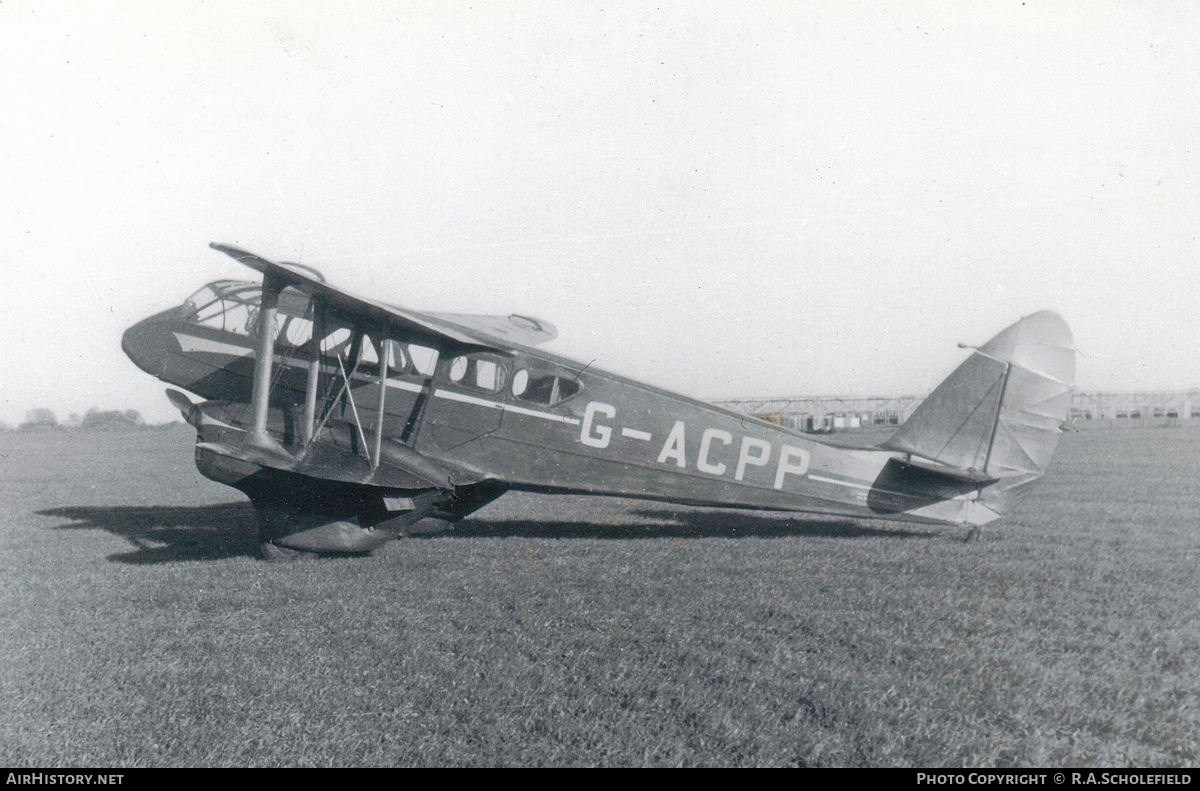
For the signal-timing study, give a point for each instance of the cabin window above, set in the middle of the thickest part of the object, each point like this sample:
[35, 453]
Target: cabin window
[478, 372]
[566, 388]
[232, 306]
[297, 331]
[548, 390]
[240, 318]
[227, 316]
[205, 305]
[424, 359]
[368, 354]
[487, 375]
[520, 382]
[397, 360]
[211, 315]
[334, 341]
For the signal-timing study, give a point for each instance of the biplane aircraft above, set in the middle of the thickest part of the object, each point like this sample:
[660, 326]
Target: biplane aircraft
[349, 422]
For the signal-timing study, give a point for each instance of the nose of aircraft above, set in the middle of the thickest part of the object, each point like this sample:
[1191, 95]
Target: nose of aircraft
[148, 342]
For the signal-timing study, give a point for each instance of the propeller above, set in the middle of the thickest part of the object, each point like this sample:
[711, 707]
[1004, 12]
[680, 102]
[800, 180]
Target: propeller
[185, 406]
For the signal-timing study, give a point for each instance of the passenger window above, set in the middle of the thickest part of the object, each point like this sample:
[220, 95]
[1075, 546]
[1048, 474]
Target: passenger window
[548, 390]
[368, 354]
[424, 359]
[397, 360]
[487, 375]
[542, 390]
[520, 382]
[335, 340]
[458, 369]
[297, 331]
[566, 388]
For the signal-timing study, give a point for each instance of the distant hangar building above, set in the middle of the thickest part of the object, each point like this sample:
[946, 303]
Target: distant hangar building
[824, 414]
[1157, 407]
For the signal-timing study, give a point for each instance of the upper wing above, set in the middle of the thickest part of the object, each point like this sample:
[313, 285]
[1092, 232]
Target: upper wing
[514, 328]
[460, 331]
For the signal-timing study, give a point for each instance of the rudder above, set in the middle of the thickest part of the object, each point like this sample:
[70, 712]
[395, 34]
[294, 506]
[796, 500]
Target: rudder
[999, 415]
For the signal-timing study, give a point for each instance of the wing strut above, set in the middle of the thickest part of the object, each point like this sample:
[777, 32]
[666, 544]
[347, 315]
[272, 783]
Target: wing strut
[329, 405]
[261, 392]
[384, 350]
[314, 370]
[350, 395]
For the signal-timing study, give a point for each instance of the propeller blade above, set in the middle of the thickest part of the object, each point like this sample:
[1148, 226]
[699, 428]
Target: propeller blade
[184, 405]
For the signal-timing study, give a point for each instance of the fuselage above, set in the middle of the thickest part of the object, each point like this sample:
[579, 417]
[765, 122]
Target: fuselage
[526, 418]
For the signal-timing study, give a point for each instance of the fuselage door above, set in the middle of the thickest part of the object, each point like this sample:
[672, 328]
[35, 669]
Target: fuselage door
[468, 399]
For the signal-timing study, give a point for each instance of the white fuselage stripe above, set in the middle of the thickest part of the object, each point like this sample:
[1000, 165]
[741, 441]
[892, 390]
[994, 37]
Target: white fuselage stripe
[450, 395]
[190, 343]
[839, 483]
[547, 415]
[411, 387]
[853, 485]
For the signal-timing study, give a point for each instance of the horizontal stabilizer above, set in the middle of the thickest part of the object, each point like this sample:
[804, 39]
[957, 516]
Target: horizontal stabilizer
[963, 475]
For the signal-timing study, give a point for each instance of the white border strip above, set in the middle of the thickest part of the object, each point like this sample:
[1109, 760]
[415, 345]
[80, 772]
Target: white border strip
[839, 483]
[409, 386]
[450, 395]
[822, 479]
[190, 343]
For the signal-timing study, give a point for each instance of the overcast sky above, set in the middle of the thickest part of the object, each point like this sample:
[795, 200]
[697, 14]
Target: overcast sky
[726, 199]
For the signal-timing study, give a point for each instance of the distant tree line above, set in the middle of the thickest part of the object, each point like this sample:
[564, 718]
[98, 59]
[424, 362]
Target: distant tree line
[42, 419]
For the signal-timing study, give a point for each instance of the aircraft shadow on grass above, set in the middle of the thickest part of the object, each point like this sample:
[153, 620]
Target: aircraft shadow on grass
[172, 534]
[670, 523]
[169, 534]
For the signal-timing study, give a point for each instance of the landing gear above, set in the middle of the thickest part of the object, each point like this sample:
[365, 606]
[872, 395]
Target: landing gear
[302, 517]
[428, 524]
[972, 535]
[273, 553]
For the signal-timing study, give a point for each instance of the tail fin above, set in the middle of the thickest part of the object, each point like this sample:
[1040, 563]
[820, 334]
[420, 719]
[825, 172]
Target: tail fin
[1000, 414]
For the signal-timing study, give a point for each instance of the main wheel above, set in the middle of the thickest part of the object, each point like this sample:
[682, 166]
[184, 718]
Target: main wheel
[273, 553]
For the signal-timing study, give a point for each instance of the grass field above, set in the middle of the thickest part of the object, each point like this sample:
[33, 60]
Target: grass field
[139, 630]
